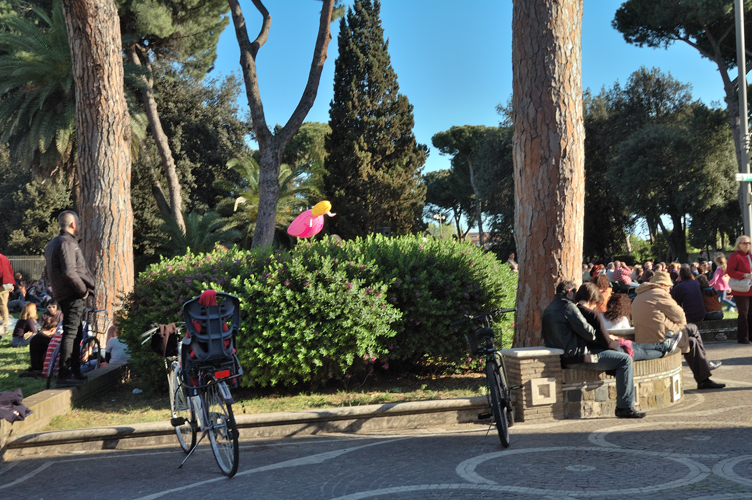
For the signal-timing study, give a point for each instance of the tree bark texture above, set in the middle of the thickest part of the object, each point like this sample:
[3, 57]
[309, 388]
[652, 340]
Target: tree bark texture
[548, 154]
[271, 146]
[104, 153]
[478, 209]
[160, 138]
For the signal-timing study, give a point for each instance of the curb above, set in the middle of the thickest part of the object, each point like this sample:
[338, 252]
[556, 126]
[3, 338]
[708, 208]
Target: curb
[368, 418]
[48, 404]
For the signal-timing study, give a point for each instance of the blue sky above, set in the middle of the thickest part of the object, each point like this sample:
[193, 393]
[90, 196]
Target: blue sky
[453, 63]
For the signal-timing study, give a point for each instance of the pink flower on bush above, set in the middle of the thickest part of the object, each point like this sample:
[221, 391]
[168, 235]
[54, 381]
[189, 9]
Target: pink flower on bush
[287, 283]
[348, 285]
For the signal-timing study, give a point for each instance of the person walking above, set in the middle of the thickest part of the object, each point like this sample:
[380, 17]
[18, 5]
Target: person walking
[71, 282]
[739, 266]
[6, 285]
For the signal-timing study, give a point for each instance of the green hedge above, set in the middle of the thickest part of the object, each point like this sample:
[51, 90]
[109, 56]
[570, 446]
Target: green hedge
[325, 311]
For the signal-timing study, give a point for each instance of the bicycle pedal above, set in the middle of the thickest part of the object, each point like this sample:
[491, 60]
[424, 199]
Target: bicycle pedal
[177, 421]
[484, 416]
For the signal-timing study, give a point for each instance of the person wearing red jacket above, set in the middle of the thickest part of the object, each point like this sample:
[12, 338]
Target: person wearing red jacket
[739, 266]
[6, 285]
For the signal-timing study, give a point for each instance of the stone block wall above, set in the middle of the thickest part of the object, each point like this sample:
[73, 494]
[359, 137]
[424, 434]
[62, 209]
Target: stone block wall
[590, 394]
[538, 371]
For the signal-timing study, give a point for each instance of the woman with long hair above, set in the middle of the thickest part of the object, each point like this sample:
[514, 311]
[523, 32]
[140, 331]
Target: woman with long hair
[720, 280]
[739, 267]
[26, 327]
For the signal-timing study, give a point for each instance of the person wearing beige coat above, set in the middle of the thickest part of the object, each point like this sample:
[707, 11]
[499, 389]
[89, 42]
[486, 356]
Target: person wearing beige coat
[655, 313]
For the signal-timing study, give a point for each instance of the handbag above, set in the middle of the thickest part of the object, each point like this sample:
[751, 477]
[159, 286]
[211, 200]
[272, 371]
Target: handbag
[742, 285]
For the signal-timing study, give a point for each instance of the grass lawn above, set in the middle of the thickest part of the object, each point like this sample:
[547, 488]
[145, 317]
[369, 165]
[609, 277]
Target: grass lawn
[122, 407]
[14, 360]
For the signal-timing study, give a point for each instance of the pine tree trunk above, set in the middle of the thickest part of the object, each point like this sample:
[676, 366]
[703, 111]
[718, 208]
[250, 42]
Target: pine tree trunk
[104, 155]
[160, 138]
[478, 210]
[548, 154]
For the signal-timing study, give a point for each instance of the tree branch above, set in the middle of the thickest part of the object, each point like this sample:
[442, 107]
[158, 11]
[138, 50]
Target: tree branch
[265, 26]
[314, 75]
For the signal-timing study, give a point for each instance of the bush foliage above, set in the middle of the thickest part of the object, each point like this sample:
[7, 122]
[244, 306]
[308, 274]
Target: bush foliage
[326, 311]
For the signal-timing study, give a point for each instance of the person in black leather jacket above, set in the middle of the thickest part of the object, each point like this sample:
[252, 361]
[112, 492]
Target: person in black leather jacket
[564, 327]
[72, 282]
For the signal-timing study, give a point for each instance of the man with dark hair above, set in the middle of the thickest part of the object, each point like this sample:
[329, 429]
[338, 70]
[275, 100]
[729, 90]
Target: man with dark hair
[564, 327]
[72, 282]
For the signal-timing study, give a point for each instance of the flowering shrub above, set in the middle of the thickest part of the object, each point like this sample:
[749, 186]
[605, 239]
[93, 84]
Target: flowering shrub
[323, 311]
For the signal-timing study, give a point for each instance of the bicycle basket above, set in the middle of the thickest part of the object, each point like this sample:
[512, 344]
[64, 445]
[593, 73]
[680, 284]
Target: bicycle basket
[211, 321]
[165, 340]
[478, 342]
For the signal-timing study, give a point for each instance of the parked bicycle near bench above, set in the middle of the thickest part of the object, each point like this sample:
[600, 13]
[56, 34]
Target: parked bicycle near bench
[88, 349]
[201, 368]
[499, 390]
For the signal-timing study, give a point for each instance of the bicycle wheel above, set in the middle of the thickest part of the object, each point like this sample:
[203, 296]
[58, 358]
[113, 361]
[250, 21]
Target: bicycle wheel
[183, 414]
[223, 434]
[89, 347]
[497, 406]
[506, 392]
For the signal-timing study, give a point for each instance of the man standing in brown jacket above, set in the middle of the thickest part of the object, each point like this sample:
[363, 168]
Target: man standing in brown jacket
[655, 313]
[71, 282]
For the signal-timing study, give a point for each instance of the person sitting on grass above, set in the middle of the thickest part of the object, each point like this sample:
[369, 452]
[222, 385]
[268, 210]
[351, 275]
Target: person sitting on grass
[53, 311]
[713, 308]
[26, 326]
[38, 348]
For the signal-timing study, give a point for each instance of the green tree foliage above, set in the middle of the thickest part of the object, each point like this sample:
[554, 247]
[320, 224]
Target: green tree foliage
[37, 106]
[607, 222]
[707, 26]
[449, 192]
[684, 146]
[202, 233]
[307, 149]
[495, 176]
[321, 311]
[241, 208]
[374, 163]
[462, 143]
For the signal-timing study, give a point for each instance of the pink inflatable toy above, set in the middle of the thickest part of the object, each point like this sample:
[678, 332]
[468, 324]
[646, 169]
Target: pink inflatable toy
[306, 225]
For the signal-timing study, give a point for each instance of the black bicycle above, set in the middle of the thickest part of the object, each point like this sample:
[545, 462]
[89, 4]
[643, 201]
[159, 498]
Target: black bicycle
[499, 390]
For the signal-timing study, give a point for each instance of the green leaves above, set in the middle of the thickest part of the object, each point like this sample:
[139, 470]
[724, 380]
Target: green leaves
[326, 312]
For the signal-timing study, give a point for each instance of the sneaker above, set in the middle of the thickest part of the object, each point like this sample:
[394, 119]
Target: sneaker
[629, 413]
[714, 364]
[709, 384]
[671, 342]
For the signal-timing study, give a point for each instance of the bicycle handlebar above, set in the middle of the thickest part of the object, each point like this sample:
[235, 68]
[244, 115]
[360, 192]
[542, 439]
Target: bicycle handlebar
[482, 315]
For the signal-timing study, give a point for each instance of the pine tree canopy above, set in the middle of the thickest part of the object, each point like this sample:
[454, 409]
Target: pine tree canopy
[374, 164]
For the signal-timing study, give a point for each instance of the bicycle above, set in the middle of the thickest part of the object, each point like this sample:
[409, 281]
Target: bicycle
[198, 378]
[89, 343]
[499, 391]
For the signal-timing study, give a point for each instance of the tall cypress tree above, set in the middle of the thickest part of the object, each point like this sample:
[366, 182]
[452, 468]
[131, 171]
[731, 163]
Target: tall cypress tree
[373, 165]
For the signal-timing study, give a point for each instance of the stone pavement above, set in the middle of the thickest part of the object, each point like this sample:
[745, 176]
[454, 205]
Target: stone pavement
[697, 449]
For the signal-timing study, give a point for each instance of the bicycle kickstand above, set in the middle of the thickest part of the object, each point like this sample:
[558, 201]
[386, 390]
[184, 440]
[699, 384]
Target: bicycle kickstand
[203, 434]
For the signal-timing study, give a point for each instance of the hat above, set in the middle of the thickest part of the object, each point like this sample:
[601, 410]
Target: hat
[661, 278]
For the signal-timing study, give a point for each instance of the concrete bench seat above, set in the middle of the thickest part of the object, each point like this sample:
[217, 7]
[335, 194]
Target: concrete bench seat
[550, 392]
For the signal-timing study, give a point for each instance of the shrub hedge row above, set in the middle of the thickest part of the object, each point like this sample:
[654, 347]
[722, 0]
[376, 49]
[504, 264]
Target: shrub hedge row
[328, 311]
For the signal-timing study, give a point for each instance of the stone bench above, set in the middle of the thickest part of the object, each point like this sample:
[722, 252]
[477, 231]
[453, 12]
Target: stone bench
[550, 392]
[722, 329]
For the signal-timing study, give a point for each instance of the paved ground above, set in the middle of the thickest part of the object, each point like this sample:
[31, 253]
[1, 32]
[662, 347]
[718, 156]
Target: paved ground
[698, 449]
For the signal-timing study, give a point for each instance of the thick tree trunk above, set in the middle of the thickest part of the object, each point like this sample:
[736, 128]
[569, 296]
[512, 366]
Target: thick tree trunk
[104, 153]
[160, 138]
[549, 138]
[272, 145]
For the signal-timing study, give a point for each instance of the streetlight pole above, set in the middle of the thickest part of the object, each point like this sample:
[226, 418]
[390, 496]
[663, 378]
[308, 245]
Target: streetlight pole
[743, 122]
[440, 217]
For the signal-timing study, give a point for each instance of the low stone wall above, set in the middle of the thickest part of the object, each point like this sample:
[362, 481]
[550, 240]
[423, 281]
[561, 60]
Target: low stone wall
[550, 392]
[590, 394]
[722, 329]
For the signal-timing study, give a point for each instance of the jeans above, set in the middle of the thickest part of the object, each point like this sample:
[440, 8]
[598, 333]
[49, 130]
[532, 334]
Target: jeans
[723, 300]
[713, 315]
[648, 351]
[70, 344]
[620, 362]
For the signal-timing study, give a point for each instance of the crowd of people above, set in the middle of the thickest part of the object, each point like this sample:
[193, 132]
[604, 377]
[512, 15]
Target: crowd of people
[660, 304]
[66, 284]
